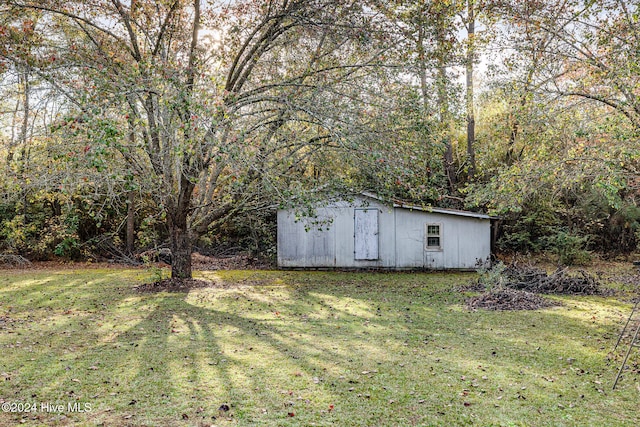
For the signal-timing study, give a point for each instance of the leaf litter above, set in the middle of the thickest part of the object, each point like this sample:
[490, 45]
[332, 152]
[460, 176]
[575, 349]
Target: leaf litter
[173, 285]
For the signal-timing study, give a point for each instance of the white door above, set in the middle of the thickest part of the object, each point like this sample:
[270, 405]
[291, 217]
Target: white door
[366, 234]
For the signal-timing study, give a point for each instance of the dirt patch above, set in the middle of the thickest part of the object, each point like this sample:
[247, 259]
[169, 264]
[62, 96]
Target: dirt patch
[509, 299]
[65, 266]
[174, 285]
[630, 280]
[234, 262]
[199, 262]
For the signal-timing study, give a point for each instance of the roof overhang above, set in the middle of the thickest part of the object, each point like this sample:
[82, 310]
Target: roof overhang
[443, 211]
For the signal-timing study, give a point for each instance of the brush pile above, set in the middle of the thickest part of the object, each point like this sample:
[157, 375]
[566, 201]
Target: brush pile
[533, 279]
[509, 299]
[519, 287]
[11, 260]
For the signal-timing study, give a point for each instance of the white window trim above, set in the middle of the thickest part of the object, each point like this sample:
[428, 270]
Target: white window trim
[426, 237]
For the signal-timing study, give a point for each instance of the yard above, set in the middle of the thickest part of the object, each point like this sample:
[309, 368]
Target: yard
[271, 348]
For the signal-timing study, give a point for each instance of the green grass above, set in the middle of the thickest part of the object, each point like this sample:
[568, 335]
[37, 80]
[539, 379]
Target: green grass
[345, 349]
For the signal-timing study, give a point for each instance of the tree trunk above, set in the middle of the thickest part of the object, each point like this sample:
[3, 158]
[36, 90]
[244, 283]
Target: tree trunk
[471, 119]
[131, 218]
[449, 165]
[131, 201]
[180, 251]
[442, 85]
[511, 156]
[181, 236]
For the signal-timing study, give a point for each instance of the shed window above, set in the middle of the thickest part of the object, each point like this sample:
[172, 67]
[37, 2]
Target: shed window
[433, 237]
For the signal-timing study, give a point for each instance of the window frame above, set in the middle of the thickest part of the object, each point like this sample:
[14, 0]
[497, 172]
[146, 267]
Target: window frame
[427, 235]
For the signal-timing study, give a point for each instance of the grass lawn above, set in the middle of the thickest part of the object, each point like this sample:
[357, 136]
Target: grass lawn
[83, 347]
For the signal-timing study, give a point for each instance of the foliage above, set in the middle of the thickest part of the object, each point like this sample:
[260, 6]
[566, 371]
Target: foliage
[570, 177]
[154, 123]
[569, 248]
[209, 109]
[492, 277]
[41, 229]
[252, 232]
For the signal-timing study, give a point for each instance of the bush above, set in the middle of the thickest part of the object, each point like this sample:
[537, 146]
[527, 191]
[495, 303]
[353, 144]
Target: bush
[492, 277]
[569, 248]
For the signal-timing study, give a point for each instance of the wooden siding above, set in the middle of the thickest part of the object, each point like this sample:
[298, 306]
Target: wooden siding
[344, 236]
[366, 234]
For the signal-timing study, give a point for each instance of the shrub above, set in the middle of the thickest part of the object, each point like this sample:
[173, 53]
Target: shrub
[569, 248]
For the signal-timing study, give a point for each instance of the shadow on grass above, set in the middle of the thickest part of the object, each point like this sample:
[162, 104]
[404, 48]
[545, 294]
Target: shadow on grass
[300, 349]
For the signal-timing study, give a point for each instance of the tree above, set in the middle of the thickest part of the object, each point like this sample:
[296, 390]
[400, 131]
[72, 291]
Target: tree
[581, 49]
[425, 51]
[560, 164]
[220, 100]
[438, 43]
[597, 56]
[470, 23]
[485, 15]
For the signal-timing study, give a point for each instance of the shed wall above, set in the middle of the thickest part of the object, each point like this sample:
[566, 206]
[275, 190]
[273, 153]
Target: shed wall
[328, 240]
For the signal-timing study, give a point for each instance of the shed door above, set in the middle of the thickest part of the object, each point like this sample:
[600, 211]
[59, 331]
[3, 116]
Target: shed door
[366, 234]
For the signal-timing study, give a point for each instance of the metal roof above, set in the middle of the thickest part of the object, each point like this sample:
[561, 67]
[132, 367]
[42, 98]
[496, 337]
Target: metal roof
[444, 211]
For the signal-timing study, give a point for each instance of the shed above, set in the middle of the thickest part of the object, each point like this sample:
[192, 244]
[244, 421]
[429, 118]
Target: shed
[367, 233]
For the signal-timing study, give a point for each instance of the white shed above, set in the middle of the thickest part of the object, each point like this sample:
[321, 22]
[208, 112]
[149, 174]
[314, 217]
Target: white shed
[366, 233]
